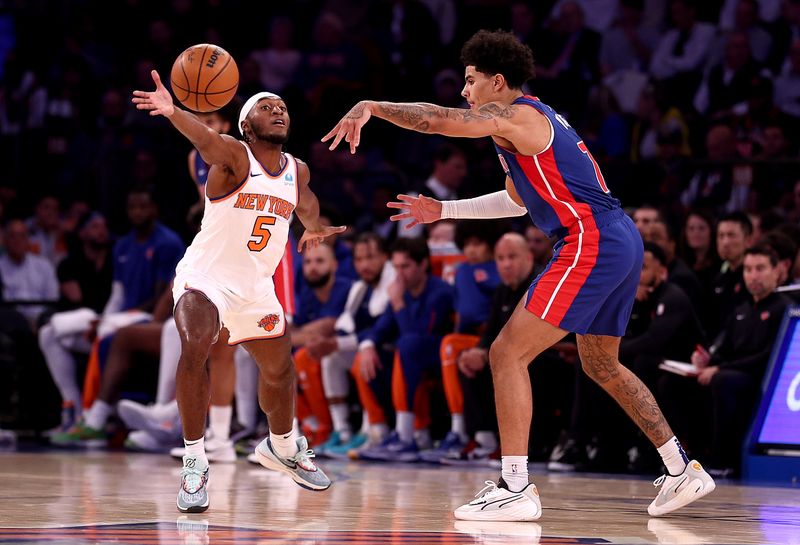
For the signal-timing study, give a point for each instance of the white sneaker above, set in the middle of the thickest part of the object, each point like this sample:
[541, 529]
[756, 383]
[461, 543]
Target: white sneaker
[162, 420]
[146, 441]
[691, 485]
[216, 450]
[495, 502]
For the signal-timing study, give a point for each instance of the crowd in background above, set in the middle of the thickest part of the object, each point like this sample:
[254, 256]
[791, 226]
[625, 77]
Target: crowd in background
[692, 110]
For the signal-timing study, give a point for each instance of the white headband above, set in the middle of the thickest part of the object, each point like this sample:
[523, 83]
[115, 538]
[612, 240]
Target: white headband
[252, 101]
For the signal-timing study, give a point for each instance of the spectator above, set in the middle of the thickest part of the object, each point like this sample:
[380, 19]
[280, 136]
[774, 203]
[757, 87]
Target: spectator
[726, 86]
[449, 172]
[679, 57]
[711, 184]
[787, 83]
[698, 249]
[143, 265]
[645, 217]
[733, 232]
[629, 44]
[731, 370]
[45, 233]
[320, 302]
[786, 250]
[279, 61]
[85, 274]
[746, 20]
[475, 281]
[419, 315]
[366, 301]
[26, 276]
[678, 271]
[541, 246]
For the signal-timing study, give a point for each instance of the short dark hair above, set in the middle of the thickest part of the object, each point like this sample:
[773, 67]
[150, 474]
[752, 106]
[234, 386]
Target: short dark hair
[369, 236]
[416, 248]
[483, 230]
[657, 251]
[499, 52]
[783, 245]
[742, 219]
[762, 249]
[446, 151]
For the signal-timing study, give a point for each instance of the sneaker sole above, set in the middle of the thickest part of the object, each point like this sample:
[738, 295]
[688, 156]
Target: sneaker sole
[684, 498]
[194, 508]
[269, 463]
[499, 516]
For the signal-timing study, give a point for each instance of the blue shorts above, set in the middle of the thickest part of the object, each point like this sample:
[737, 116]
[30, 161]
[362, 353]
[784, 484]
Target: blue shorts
[590, 284]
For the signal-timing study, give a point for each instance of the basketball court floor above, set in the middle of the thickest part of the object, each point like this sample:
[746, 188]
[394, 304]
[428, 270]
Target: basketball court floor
[115, 497]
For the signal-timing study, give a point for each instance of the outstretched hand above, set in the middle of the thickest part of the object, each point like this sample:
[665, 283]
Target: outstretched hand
[350, 125]
[159, 102]
[312, 239]
[421, 209]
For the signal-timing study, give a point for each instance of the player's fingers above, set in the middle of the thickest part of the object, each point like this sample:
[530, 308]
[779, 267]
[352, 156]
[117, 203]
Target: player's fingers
[339, 135]
[156, 78]
[407, 198]
[141, 93]
[338, 229]
[398, 217]
[398, 205]
[331, 133]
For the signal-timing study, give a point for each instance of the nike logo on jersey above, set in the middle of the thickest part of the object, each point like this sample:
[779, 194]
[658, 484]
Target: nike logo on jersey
[254, 174]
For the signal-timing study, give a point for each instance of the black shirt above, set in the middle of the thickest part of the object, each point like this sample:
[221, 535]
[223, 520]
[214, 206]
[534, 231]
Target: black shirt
[504, 301]
[728, 293]
[664, 326]
[95, 283]
[747, 339]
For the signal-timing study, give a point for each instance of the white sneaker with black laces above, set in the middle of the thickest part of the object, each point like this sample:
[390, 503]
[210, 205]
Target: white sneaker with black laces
[680, 490]
[495, 502]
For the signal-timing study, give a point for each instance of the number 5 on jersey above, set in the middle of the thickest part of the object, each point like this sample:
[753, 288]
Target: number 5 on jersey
[261, 233]
[600, 179]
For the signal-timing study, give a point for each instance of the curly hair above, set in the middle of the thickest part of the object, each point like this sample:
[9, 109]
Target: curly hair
[499, 52]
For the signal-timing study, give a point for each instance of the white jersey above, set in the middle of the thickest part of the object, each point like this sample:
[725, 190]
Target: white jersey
[243, 234]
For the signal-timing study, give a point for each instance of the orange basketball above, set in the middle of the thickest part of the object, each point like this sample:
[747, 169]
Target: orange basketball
[204, 78]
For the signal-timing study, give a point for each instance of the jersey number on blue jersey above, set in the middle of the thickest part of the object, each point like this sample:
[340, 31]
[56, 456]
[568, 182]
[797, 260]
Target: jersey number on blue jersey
[261, 233]
[597, 173]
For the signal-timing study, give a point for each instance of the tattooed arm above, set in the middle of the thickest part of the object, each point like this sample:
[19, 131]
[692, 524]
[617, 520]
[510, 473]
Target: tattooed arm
[490, 119]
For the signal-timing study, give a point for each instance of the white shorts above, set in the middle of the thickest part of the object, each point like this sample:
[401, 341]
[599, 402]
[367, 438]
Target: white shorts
[246, 320]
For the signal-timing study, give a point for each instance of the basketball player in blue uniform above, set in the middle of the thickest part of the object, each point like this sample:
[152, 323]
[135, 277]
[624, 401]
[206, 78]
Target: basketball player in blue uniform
[588, 287]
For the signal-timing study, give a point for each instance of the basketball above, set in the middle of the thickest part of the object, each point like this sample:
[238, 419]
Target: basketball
[204, 78]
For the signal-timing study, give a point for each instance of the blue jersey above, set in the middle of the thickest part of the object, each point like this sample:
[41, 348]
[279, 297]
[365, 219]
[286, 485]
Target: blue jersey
[139, 266]
[200, 170]
[309, 308]
[562, 187]
[475, 285]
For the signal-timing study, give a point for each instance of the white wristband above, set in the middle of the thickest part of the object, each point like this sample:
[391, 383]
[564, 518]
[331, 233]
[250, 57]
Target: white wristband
[493, 205]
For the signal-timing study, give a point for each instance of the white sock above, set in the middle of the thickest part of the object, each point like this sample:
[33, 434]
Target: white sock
[515, 472]
[673, 456]
[196, 449]
[62, 367]
[98, 414]
[219, 418]
[405, 426]
[284, 445]
[486, 439]
[168, 362]
[379, 431]
[339, 414]
[457, 425]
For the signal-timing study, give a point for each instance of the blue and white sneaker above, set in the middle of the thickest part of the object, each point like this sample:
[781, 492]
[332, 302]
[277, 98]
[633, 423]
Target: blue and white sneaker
[392, 449]
[342, 451]
[192, 495]
[449, 446]
[299, 467]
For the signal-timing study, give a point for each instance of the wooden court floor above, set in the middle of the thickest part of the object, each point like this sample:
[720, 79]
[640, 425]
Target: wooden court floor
[115, 497]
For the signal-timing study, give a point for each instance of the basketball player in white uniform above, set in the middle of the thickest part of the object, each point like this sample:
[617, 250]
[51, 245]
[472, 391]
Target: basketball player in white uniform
[225, 278]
